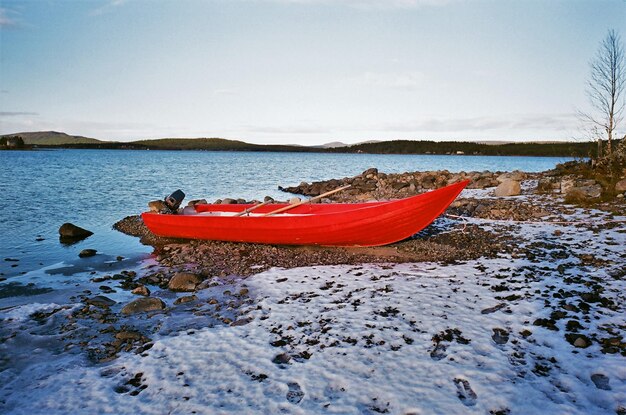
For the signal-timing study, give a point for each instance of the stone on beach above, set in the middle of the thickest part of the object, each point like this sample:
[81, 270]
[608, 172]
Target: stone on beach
[508, 187]
[574, 187]
[141, 290]
[514, 175]
[142, 305]
[85, 253]
[590, 190]
[100, 301]
[184, 281]
[69, 231]
[157, 206]
[185, 299]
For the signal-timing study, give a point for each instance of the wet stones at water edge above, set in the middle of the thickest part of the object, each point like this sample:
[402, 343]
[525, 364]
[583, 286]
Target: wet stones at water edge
[142, 305]
[185, 299]
[141, 290]
[70, 233]
[85, 253]
[100, 301]
[184, 281]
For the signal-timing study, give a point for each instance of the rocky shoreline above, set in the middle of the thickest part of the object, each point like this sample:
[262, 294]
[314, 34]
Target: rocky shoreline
[541, 199]
[205, 283]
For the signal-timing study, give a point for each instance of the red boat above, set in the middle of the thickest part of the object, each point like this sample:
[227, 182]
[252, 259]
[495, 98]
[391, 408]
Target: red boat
[329, 224]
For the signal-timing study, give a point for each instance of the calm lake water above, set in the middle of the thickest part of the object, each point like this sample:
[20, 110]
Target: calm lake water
[95, 188]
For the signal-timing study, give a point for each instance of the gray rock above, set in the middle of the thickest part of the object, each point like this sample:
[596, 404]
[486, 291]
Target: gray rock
[514, 175]
[482, 183]
[125, 336]
[548, 184]
[184, 281]
[295, 393]
[100, 301]
[601, 381]
[281, 359]
[580, 342]
[500, 336]
[294, 200]
[592, 191]
[465, 392]
[73, 232]
[228, 201]
[141, 290]
[185, 299]
[508, 188]
[370, 172]
[142, 305]
[85, 253]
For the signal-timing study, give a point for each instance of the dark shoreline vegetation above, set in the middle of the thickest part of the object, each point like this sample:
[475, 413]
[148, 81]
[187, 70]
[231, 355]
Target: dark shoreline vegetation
[53, 140]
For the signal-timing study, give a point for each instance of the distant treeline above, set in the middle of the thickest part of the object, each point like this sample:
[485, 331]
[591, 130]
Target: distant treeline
[207, 144]
[567, 149]
[584, 149]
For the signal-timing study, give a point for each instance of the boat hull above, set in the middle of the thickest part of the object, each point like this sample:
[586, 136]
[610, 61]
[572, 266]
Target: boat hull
[361, 224]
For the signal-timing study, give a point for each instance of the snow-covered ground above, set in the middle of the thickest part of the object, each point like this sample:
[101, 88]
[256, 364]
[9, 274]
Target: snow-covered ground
[421, 338]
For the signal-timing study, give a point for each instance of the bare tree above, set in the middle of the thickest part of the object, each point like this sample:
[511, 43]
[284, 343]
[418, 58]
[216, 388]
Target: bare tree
[606, 85]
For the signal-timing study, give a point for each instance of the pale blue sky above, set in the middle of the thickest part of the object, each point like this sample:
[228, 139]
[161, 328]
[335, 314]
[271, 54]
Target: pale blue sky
[300, 71]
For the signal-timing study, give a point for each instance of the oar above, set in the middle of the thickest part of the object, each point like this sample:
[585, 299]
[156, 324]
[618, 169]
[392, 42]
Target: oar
[283, 209]
[255, 207]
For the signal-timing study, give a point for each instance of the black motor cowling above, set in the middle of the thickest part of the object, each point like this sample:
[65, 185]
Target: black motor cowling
[174, 200]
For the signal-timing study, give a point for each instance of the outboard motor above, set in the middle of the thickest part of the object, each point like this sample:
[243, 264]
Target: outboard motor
[174, 200]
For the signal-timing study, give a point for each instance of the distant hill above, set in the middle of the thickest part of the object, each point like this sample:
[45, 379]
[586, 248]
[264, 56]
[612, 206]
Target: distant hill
[214, 144]
[333, 144]
[486, 148]
[52, 138]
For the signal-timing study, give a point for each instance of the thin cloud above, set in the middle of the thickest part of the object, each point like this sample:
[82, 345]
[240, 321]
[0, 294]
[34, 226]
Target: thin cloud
[5, 18]
[16, 113]
[402, 80]
[225, 92]
[371, 4]
[514, 122]
[288, 130]
[108, 7]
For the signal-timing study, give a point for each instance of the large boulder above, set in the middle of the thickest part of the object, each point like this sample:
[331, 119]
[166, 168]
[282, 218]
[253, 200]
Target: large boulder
[508, 188]
[567, 182]
[184, 281]
[620, 186]
[514, 175]
[71, 232]
[588, 190]
[142, 305]
[548, 184]
[579, 189]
